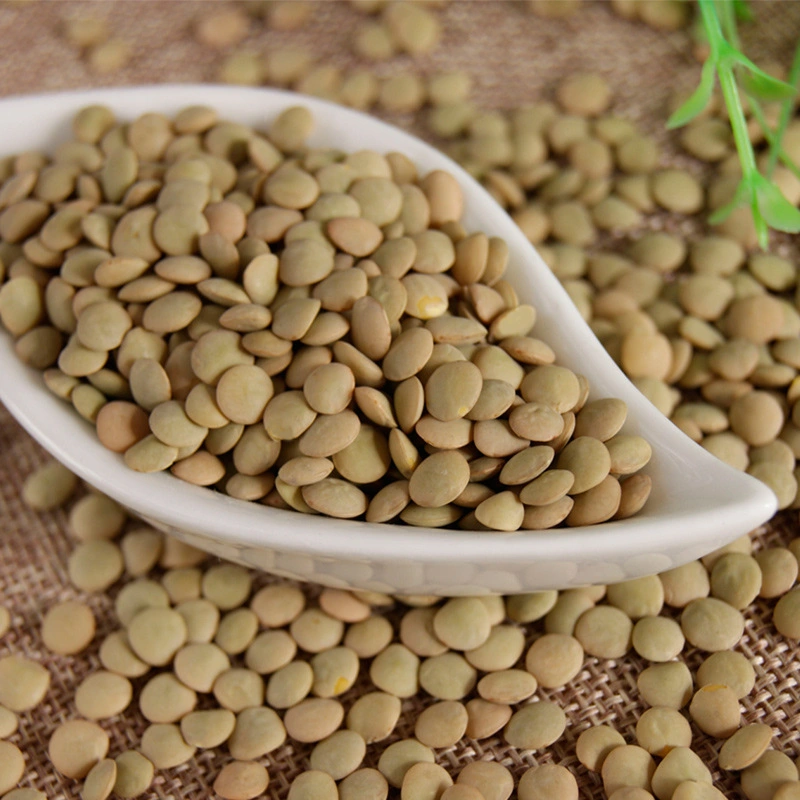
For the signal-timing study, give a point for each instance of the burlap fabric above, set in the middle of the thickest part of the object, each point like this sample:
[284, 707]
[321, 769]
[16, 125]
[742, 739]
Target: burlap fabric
[515, 57]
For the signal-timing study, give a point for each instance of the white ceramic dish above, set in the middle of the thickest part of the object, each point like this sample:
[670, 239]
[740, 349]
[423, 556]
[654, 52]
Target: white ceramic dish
[697, 504]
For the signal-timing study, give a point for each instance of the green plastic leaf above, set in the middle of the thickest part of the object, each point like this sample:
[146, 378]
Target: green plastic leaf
[757, 82]
[699, 100]
[778, 212]
[726, 14]
[765, 87]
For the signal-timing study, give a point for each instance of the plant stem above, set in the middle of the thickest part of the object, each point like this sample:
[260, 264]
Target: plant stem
[712, 26]
[730, 91]
[768, 206]
[728, 16]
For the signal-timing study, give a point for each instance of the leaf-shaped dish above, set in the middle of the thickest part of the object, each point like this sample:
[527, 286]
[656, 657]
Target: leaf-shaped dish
[697, 504]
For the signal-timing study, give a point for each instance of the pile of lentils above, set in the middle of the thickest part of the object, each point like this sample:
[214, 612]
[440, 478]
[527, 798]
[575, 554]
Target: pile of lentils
[302, 327]
[212, 657]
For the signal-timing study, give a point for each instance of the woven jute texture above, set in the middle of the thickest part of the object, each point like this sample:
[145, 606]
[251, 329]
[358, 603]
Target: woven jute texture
[515, 57]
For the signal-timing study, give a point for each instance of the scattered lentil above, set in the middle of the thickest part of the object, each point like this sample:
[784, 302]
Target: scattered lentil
[715, 710]
[711, 624]
[447, 677]
[669, 684]
[535, 725]
[313, 785]
[76, 746]
[500, 651]
[12, 766]
[762, 779]
[164, 747]
[164, 699]
[491, 779]
[660, 730]
[257, 731]
[339, 754]
[8, 722]
[102, 695]
[241, 780]
[554, 659]
[423, 780]
[49, 487]
[96, 516]
[237, 689]
[95, 565]
[398, 758]
[604, 632]
[313, 719]
[657, 638]
[99, 783]
[745, 746]
[68, 627]
[374, 715]
[594, 744]
[290, 684]
[785, 614]
[156, 635]
[627, 765]
[209, 728]
[547, 781]
[678, 765]
[728, 668]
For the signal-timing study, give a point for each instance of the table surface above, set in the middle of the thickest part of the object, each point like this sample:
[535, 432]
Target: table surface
[515, 57]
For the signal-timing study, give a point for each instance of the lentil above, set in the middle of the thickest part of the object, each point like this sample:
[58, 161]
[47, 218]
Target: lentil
[398, 758]
[374, 716]
[594, 744]
[763, 778]
[76, 746]
[49, 487]
[745, 746]
[535, 726]
[102, 695]
[207, 729]
[68, 628]
[627, 765]
[13, 766]
[485, 718]
[241, 780]
[711, 624]
[491, 779]
[164, 747]
[660, 730]
[100, 781]
[547, 780]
